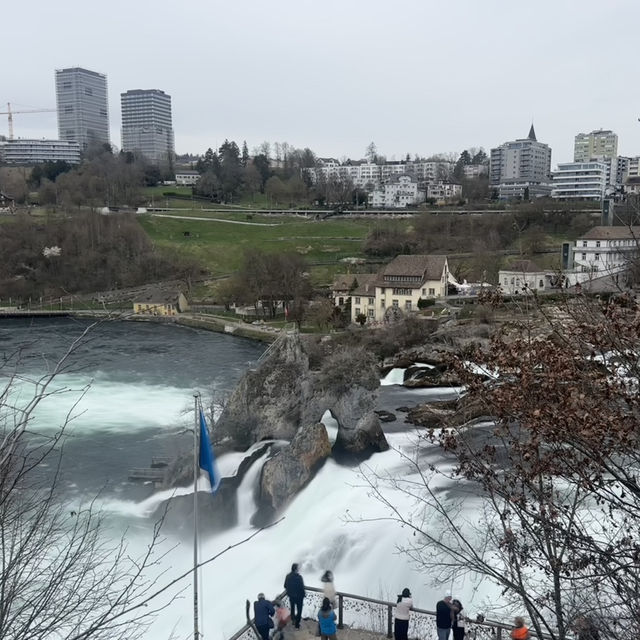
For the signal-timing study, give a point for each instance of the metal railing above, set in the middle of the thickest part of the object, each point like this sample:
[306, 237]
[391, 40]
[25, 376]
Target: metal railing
[376, 616]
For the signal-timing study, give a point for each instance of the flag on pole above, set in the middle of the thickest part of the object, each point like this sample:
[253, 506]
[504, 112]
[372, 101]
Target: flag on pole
[207, 458]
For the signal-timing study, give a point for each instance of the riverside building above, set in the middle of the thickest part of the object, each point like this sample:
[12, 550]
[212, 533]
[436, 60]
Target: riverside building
[83, 112]
[147, 127]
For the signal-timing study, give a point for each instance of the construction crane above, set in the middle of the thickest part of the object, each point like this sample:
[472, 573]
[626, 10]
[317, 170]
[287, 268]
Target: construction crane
[9, 113]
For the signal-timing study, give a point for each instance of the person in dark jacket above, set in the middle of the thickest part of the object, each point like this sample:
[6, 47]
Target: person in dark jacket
[457, 624]
[294, 586]
[443, 618]
[262, 611]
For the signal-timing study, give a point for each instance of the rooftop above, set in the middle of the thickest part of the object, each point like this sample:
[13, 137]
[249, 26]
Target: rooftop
[427, 267]
[611, 233]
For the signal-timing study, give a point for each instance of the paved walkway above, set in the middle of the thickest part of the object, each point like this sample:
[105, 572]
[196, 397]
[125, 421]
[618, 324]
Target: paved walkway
[308, 628]
[251, 224]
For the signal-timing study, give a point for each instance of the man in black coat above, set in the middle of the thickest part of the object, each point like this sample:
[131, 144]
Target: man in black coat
[262, 611]
[443, 618]
[294, 586]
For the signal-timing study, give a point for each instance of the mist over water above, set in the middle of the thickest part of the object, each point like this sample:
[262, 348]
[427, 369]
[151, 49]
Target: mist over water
[138, 382]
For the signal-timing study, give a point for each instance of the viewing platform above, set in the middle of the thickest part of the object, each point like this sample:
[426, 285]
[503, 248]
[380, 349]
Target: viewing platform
[363, 618]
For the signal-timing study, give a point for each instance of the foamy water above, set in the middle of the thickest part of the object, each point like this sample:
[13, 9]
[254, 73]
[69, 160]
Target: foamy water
[334, 523]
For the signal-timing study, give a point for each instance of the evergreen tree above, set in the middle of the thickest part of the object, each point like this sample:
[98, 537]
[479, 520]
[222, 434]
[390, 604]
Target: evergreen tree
[245, 154]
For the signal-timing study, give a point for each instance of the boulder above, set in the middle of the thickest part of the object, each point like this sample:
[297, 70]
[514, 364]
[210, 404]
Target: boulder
[284, 475]
[283, 395]
[266, 403]
[215, 512]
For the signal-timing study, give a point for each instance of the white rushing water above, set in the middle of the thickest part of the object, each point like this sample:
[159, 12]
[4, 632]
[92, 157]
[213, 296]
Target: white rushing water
[334, 523]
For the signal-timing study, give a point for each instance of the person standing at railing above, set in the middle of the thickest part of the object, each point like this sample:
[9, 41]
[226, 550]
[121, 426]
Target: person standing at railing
[328, 588]
[520, 631]
[327, 621]
[262, 611]
[443, 617]
[457, 620]
[401, 621]
[294, 586]
[282, 617]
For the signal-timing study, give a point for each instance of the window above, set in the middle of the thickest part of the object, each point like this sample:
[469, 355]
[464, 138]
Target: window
[597, 256]
[382, 303]
[68, 108]
[340, 301]
[506, 280]
[597, 243]
[584, 243]
[395, 304]
[357, 311]
[541, 284]
[88, 91]
[584, 256]
[357, 300]
[370, 313]
[372, 300]
[432, 292]
[407, 305]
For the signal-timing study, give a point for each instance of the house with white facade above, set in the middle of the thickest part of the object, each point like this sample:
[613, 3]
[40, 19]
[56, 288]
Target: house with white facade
[398, 193]
[406, 279]
[522, 276]
[187, 178]
[442, 192]
[606, 250]
[363, 296]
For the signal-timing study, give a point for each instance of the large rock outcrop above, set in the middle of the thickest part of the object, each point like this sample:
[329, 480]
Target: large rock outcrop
[283, 395]
[290, 470]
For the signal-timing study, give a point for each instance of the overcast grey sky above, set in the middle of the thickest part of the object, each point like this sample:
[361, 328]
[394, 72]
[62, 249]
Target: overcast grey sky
[417, 76]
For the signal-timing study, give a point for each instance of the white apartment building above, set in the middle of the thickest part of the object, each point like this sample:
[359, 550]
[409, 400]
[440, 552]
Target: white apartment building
[633, 167]
[606, 250]
[475, 171]
[597, 144]
[522, 160]
[523, 190]
[27, 151]
[367, 175]
[444, 191]
[396, 194]
[580, 181]
[187, 178]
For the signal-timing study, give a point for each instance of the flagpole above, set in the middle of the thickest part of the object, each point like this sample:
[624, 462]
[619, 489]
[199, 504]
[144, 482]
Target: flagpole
[196, 632]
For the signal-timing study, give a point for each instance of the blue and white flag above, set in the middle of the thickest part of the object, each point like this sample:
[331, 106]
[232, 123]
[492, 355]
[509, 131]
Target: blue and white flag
[207, 457]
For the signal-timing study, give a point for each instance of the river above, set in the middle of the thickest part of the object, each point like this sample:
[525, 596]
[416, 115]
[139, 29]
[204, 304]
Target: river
[138, 381]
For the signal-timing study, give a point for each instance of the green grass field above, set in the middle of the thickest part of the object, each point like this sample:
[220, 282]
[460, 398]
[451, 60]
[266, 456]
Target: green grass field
[220, 246]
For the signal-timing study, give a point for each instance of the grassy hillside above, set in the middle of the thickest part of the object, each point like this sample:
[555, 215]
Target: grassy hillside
[220, 245]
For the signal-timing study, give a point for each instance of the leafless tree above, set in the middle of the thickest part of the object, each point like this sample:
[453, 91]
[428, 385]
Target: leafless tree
[61, 575]
[552, 496]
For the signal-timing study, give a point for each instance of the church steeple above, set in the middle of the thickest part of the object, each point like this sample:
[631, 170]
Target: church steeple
[532, 134]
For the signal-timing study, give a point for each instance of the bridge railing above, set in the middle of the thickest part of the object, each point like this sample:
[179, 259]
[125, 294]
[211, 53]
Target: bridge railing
[376, 616]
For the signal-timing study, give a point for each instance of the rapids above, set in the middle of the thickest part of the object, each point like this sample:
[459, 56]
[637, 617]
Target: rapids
[130, 393]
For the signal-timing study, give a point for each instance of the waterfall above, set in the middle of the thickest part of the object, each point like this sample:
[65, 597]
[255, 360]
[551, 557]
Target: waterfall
[246, 495]
[395, 376]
